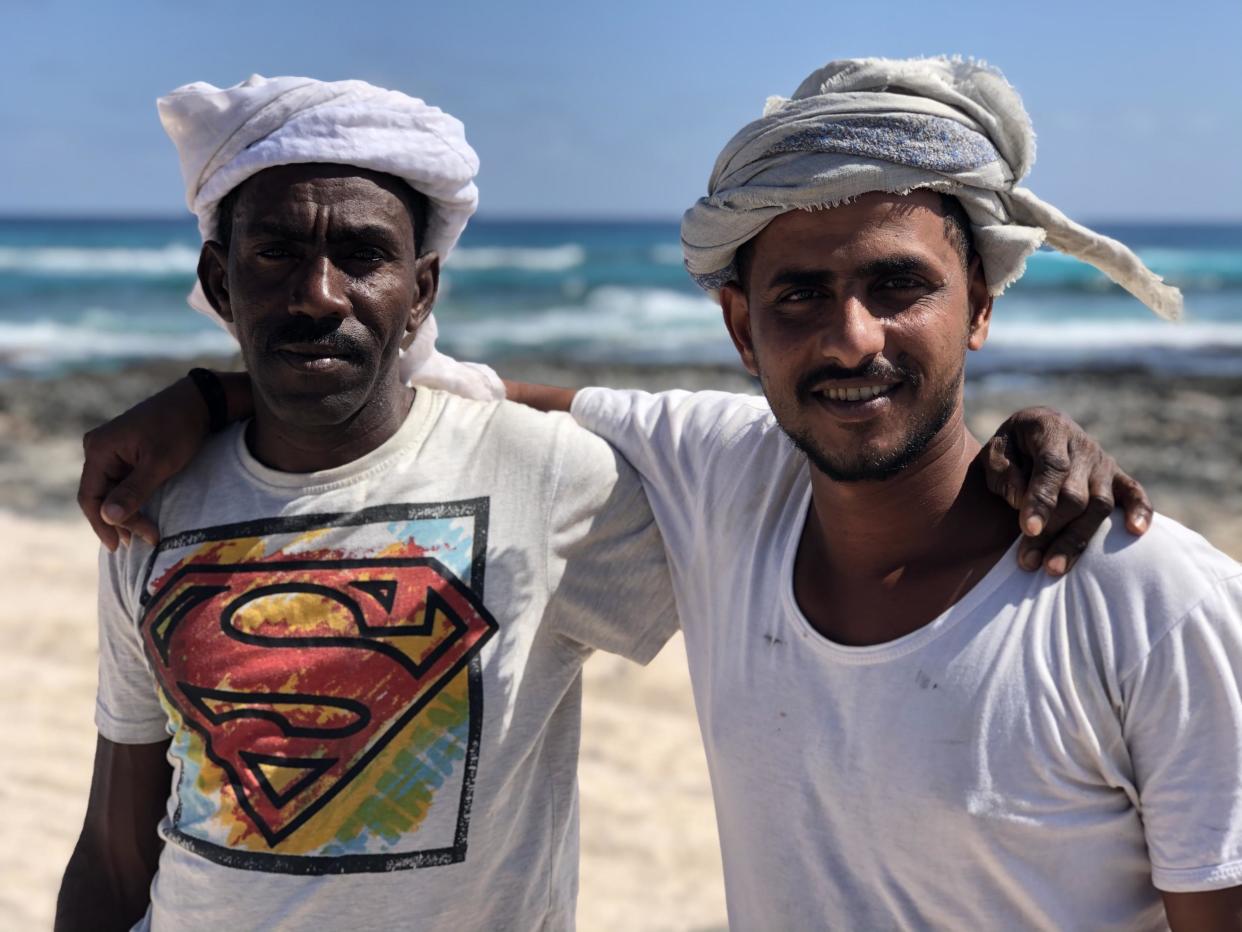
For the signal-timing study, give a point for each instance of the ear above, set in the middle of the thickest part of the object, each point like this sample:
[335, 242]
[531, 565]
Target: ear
[427, 286]
[213, 275]
[736, 309]
[980, 306]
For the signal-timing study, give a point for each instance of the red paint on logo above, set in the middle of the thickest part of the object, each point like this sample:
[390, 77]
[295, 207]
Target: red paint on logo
[298, 673]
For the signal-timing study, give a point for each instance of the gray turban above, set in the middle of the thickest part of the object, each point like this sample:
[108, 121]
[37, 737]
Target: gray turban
[873, 124]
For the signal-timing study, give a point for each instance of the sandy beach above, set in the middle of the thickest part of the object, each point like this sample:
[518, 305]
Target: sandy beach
[649, 855]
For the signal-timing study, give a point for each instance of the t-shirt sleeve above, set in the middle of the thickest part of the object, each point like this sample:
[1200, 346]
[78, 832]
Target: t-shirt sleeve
[1183, 727]
[127, 708]
[670, 438]
[608, 576]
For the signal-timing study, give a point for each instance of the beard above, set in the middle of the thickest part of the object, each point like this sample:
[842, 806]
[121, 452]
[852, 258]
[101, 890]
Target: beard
[876, 465]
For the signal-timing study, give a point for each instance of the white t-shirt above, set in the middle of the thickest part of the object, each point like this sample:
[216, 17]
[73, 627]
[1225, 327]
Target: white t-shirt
[371, 674]
[1036, 757]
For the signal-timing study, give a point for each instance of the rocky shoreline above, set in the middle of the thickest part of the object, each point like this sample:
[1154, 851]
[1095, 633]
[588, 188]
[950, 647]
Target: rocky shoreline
[1181, 436]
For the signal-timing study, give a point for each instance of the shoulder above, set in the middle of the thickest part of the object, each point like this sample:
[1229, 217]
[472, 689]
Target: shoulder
[522, 435]
[521, 428]
[1143, 587]
[216, 466]
[1169, 558]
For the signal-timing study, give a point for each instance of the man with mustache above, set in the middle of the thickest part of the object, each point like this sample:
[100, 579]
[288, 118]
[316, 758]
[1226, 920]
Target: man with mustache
[343, 689]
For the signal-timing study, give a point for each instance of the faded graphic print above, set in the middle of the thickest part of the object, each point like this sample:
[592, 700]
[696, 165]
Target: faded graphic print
[322, 677]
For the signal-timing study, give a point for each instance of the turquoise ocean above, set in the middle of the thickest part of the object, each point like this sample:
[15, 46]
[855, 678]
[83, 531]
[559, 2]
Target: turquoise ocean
[98, 293]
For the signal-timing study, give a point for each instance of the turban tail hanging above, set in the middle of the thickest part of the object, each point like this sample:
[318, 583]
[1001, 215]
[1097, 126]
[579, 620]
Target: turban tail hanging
[865, 125]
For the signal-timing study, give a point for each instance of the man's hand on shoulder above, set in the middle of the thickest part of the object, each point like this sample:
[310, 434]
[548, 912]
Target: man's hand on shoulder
[132, 455]
[1063, 485]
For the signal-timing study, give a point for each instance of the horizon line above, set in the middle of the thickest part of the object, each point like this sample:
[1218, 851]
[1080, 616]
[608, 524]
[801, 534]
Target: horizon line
[140, 216]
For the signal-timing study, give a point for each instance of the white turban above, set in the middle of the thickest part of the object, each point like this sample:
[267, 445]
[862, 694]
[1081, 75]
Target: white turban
[225, 135]
[872, 124]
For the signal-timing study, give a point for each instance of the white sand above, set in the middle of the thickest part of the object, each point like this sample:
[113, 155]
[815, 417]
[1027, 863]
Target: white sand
[649, 850]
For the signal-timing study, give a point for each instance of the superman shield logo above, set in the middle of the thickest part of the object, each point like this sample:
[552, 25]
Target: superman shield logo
[323, 677]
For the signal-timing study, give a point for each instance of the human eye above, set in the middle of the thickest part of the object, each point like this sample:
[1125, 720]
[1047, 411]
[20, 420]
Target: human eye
[273, 252]
[901, 289]
[369, 254]
[901, 283]
[797, 296]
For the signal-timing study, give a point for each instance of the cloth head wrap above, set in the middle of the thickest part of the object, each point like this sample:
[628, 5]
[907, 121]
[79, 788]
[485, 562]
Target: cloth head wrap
[225, 135]
[872, 124]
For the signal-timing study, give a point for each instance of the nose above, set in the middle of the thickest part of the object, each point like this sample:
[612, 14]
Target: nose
[320, 290]
[854, 336]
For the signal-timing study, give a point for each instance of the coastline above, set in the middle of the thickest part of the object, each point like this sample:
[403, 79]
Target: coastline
[1179, 435]
[649, 853]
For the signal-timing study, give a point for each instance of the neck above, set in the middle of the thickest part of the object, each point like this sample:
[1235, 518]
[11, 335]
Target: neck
[294, 447]
[936, 510]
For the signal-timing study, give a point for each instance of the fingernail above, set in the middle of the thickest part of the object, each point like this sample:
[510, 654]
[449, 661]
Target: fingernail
[1057, 565]
[1140, 522]
[1034, 526]
[112, 513]
[1032, 559]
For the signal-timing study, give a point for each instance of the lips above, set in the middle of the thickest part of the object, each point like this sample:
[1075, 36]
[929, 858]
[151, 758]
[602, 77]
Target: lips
[312, 356]
[857, 401]
[856, 392]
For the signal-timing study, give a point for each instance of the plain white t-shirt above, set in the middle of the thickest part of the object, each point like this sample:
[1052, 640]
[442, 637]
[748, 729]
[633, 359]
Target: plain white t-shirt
[1037, 757]
[371, 675]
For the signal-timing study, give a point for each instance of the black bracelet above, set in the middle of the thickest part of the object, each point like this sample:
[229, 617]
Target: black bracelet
[212, 390]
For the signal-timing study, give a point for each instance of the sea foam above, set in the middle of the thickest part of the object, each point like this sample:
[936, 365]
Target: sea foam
[524, 258]
[175, 259]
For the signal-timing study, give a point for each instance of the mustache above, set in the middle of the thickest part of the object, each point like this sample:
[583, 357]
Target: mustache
[327, 332]
[877, 369]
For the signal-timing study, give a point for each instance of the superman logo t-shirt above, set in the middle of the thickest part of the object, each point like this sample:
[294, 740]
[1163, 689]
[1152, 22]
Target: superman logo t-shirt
[371, 672]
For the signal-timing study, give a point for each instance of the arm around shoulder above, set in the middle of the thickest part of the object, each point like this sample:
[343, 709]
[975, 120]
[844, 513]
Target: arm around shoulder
[108, 880]
[540, 397]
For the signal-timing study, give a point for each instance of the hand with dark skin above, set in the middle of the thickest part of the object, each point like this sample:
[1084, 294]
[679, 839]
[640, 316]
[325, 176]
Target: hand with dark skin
[1059, 480]
[107, 882]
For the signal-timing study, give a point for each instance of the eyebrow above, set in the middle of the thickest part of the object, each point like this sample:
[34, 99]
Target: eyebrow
[897, 265]
[888, 265]
[275, 229]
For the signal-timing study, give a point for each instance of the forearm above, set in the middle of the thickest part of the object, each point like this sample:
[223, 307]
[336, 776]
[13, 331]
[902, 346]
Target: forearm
[540, 397]
[1214, 910]
[107, 883]
[238, 394]
[95, 895]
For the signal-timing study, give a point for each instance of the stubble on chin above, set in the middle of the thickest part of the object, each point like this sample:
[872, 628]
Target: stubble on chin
[875, 465]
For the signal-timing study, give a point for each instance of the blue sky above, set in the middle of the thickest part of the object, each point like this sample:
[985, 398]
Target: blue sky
[593, 109]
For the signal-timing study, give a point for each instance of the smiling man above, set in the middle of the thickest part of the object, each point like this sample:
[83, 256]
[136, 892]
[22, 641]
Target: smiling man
[903, 729]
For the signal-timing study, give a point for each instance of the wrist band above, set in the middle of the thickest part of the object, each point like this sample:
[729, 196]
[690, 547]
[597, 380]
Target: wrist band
[212, 390]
